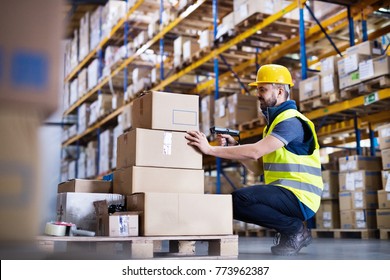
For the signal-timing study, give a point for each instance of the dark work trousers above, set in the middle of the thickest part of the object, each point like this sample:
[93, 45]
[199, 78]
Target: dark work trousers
[270, 206]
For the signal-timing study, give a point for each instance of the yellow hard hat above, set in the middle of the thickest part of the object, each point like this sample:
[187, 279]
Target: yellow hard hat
[273, 74]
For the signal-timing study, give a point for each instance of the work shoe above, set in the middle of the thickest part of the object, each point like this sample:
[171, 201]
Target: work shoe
[290, 245]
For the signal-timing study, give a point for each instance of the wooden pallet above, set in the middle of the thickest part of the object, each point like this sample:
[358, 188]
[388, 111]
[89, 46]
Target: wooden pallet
[313, 103]
[255, 232]
[141, 247]
[384, 233]
[365, 87]
[345, 233]
[258, 122]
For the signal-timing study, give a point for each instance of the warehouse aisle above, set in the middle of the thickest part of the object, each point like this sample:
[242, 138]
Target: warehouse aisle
[251, 248]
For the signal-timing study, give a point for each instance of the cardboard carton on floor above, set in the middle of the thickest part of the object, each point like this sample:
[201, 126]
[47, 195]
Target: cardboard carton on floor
[182, 214]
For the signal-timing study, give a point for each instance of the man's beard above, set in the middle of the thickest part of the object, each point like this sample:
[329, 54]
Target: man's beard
[264, 104]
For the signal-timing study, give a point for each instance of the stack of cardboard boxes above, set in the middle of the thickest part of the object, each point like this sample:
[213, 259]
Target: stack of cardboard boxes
[359, 180]
[383, 213]
[162, 176]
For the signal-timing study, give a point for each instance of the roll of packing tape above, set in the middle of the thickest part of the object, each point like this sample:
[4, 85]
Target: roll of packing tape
[55, 229]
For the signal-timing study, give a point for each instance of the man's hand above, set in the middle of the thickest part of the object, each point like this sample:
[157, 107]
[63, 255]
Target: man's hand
[198, 140]
[224, 139]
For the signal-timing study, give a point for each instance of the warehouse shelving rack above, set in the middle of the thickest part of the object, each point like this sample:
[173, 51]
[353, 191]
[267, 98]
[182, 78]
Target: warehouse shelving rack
[313, 33]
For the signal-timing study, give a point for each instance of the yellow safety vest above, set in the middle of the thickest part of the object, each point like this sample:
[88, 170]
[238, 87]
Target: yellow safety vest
[301, 174]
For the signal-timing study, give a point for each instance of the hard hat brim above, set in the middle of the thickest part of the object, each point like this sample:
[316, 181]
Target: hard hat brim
[255, 84]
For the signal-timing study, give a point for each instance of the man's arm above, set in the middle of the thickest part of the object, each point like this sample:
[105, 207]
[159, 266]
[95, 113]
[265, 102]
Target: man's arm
[243, 152]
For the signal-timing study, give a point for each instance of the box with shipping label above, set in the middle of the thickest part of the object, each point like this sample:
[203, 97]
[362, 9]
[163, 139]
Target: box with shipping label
[359, 180]
[85, 186]
[385, 159]
[348, 80]
[330, 179]
[365, 199]
[351, 163]
[156, 148]
[310, 88]
[328, 215]
[358, 219]
[384, 136]
[329, 85]
[135, 179]
[242, 108]
[221, 112]
[123, 224]
[371, 48]
[345, 200]
[168, 111]
[78, 208]
[182, 214]
[30, 54]
[373, 68]
[350, 64]
[383, 199]
[383, 218]
[329, 65]
[386, 180]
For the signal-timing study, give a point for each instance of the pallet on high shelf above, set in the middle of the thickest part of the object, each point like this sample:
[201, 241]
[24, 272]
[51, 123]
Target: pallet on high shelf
[314, 103]
[258, 122]
[365, 87]
[141, 247]
[346, 233]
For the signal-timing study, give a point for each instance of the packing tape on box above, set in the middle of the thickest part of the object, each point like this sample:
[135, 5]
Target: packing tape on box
[57, 228]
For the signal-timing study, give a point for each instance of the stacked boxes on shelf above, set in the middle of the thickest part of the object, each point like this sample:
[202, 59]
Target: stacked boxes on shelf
[207, 107]
[162, 175]
[328, 215]
[383, 213]
[359, 180]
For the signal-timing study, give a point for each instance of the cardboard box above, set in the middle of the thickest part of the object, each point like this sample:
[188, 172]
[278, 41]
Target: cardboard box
[383, 218]
[365, 199]
[328, 215]
[383, 199]
[352, 163]
[385, 159]
[359, 180]
[358, 219]
[329, 65]
[375, 67]
[85, 186]
[165, 180]
[310, 88]
[157, 148]
[78, 208]
[242, 108]
[345, 200]
[329, 85]
[221, 115]
[182, 214]
[384, 136]
[30, 54]
[330, 179]
[168, 111]
[371, 48]
[348, 80]
[207, 106]
[123, 224]
[386, 180]
[350, 64]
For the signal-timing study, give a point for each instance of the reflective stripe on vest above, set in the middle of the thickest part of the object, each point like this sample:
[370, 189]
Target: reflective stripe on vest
[301, 174]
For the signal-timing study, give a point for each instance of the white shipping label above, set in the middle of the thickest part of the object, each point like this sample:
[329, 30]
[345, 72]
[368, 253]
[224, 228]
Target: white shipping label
[359, 180]
[308, 87]
[387, 188]
[352, 165]
[326, 186]
[221, 110]
[358, 196]
[377, 51]
[327, 84]
[351, 63]
[325, 194]
[327, 216]
[361, 224]
[358, 203]
[359, 216]
[167, 143]
[327, 224]
[350, 181]
[385, 132]
[366, 69]
[243, 11]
